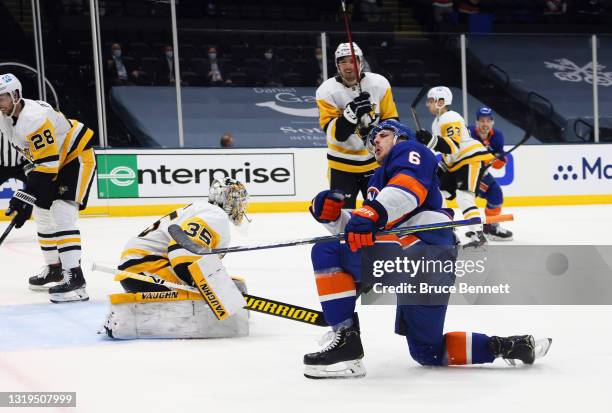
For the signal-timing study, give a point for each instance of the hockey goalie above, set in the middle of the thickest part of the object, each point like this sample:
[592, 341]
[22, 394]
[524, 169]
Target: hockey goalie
[149, 310]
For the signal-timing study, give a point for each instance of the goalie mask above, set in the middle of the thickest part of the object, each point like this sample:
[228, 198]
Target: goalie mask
[400, 131]
[231, 196]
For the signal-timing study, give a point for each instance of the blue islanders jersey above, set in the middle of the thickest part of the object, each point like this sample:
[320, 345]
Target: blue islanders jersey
[495, 140]
[411, 188]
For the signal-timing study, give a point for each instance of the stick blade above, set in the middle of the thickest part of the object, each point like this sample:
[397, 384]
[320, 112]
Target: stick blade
[184, 241]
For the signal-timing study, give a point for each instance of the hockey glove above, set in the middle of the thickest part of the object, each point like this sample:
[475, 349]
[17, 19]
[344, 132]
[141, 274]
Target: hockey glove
[22, 203]
[360, 106]
[424, 136]
[499, 163]
[360, 231]
[327, 205]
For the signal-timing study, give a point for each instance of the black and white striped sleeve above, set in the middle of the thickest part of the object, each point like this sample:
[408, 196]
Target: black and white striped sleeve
[9, 155]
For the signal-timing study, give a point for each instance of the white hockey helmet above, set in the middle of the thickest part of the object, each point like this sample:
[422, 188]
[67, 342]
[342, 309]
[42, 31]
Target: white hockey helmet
[344, 49]
[10, 84]
[441, 92]
[231, 196]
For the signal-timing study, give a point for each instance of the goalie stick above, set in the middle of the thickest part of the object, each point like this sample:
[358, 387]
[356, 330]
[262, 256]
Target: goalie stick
[254, 303]
[184, 241]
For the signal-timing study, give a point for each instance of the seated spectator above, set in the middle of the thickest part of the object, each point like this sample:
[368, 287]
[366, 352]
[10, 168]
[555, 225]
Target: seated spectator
[270, 71]
[121, 70]
[313, 73]
[227, 140]
[213, 69]
[165, 67]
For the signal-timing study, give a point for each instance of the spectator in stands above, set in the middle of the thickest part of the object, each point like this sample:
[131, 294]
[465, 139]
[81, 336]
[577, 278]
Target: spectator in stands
[121, 71]
[214, 69]
[314, 71]
[227, 140]
[165, 68]
[270, 70]
[370, 10]
[442, 9]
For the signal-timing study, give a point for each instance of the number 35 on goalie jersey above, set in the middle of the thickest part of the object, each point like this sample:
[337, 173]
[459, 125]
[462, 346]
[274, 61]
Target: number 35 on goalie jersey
[154, 250]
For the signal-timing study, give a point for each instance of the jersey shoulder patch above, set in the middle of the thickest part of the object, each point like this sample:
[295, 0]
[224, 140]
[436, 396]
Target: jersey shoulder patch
[31, 118]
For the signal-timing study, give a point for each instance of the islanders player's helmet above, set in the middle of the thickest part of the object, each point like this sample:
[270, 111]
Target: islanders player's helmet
[231, 196]
[484, 112]
[399, 130]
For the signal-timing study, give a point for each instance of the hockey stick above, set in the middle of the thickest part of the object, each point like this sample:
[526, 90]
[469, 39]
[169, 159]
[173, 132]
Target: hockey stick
[184, 241]
[525, 138]
[350, 41]
[7, 231]
[414, 104]
[254, 303]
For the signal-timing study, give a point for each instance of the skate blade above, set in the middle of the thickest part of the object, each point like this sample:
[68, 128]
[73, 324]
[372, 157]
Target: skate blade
[541, 347]
[352, 369]
[72, 296]
[496, 238]
[45, 287]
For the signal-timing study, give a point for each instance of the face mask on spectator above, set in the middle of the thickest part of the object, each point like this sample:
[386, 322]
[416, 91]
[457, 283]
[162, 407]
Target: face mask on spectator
[170, 54]
[212, 55]
[117, 52]
[319, 57]
[268, 55]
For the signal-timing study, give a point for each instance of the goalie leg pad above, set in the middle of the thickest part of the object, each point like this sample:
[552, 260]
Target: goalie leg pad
[216, 286]
[169, 314]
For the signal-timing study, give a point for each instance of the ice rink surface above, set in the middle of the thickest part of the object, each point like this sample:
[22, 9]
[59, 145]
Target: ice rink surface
[48, 347]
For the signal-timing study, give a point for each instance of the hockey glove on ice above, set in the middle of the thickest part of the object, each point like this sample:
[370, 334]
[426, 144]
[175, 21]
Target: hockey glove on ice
[327, 205]
[22, 203]
[360, 231]
[360, 106]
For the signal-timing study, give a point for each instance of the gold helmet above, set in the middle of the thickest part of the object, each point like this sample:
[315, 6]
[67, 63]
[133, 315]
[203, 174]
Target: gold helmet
[231, 196]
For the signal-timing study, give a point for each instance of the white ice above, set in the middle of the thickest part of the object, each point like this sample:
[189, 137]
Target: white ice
[47, 347]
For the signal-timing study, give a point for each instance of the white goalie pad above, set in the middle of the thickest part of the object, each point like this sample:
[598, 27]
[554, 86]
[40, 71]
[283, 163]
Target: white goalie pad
[216, 286]
[171, 314]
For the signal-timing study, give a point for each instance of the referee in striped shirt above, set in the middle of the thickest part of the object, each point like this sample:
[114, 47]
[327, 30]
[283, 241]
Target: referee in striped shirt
[11, 161]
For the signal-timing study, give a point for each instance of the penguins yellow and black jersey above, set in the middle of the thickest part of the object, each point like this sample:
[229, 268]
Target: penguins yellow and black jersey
[154, 251]
[332, 97]
[47, 138]
[51, 142]
[457, 146]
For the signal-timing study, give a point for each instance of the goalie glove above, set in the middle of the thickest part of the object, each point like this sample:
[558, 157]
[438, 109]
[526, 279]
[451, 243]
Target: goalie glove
[22, 203]
[359, 110]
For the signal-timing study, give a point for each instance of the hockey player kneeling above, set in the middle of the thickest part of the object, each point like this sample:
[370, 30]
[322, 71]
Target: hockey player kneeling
[402, 192]
[154, 311]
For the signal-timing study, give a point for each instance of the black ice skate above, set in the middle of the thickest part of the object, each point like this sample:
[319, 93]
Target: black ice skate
[49, 277]
[476, 239]
[72, 289]
[523, 348]
[340, 359]
[496, 232]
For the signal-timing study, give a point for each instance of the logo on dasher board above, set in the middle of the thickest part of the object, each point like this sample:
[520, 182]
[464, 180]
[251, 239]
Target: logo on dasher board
[596, 169]
[120, 176]
[569, 71]
[285, 97]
